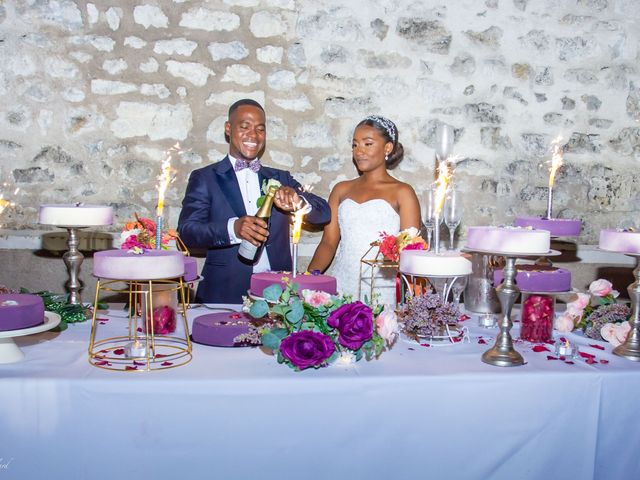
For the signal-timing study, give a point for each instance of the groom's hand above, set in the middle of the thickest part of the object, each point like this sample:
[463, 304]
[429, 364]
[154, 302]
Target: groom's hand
[287, 199]
[251, 228]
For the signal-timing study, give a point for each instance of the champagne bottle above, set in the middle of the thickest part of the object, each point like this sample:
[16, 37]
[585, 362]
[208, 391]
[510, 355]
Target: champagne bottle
[248, 251]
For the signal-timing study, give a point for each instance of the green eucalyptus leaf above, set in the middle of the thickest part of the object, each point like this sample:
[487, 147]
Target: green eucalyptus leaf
[259, 309]
[358, 354]
[272, 293]
[280, 332]
[270, 340]
[297, 311]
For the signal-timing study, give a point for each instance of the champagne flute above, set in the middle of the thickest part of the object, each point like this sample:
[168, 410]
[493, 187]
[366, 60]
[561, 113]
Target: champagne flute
[429, 212]
[452, 213]
[444, 141]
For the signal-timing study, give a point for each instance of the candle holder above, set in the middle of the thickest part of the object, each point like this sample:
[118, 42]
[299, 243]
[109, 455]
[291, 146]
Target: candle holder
[630, 349]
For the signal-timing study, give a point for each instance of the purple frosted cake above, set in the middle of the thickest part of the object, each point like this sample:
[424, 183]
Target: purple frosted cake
[324, 283]
[558, 227]
[19, 310]
[222, 329]
[190, 269]
[126, 265]
[620, 241]
[538, 278]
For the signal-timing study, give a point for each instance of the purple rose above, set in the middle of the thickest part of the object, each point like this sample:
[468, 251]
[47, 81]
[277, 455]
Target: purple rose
[354, 322]
[306, 348]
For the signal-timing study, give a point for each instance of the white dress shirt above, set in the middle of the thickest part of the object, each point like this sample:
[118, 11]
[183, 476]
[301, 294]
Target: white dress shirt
[250, 189]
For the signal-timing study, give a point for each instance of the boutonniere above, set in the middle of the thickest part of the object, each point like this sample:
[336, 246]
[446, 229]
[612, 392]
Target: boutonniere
[266, 184]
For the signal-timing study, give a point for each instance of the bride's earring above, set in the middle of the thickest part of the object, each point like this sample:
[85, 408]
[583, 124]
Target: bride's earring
[386, 157]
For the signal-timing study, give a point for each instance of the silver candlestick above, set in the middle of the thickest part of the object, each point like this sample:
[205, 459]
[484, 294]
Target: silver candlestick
[73, 259]
[502, 354]
[631, 347]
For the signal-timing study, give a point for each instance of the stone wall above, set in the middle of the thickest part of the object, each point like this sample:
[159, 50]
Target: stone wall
[93, 94]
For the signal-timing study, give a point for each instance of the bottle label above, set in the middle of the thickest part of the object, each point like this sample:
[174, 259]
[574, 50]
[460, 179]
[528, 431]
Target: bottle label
[247, 250]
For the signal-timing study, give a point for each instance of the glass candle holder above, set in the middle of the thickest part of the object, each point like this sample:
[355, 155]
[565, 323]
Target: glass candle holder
[536, 321]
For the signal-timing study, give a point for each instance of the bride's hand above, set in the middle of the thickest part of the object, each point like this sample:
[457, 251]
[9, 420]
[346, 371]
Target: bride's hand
[287, 199]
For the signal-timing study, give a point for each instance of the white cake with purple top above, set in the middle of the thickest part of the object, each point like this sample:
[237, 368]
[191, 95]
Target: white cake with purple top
[508, 240]
[617, 240]
[149, 265]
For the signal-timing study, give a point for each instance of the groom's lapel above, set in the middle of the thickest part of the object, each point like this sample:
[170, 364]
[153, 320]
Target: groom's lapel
[229, 185]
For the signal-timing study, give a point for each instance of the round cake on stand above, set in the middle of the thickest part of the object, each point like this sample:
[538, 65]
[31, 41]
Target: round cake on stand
[21, 314]
[628, 243]
[74, 217]
[511, 243]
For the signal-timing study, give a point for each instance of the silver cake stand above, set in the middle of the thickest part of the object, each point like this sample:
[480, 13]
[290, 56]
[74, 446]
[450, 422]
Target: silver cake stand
[502, 354]
[630, 349]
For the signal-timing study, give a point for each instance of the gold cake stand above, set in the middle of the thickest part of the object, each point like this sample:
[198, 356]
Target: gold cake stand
[375, 263]
[141, 350]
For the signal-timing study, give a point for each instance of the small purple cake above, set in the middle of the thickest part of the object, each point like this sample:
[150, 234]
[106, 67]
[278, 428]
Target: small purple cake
[222, 329]
[620, 241]
[324, 283]
[19, 310]
[190, 269]
[538, 278]
[559, 227]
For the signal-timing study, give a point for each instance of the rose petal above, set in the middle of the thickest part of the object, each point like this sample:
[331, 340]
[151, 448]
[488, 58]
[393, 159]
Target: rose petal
[569, 362]
[603, 361]
[464, 317]
[563, 340]
[139, 329]
[140, 364]
[129, 367]
[102, 323]
[160, 355]
[102, 319]
[590, 360]
[586, 355]
[425, 345]
[482, 341]
[540, 348]
[119, 351]
[412, 349]
[166, 364]
[102, 362]
[551, 357]
[599, 347]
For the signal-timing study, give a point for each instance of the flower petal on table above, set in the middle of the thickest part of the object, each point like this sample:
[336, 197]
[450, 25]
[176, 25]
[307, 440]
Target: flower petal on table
[540, 348]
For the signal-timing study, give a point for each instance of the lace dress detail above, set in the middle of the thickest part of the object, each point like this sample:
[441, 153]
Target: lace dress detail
[361, 224]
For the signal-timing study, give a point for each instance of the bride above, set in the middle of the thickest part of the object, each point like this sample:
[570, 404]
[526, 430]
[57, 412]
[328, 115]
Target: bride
[364, 207]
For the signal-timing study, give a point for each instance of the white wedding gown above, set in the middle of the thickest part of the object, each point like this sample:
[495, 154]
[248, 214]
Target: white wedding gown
[360, 224]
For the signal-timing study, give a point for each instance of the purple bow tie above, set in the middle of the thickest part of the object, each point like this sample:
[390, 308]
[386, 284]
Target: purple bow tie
[253, 165]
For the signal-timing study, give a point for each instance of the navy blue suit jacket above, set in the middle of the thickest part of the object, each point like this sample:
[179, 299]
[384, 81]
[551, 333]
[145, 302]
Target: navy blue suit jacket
[212, 198]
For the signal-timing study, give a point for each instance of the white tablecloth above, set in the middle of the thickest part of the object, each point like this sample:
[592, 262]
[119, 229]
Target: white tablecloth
[417, 412]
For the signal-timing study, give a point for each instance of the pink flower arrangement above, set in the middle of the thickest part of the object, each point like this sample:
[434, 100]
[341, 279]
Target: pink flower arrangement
[615, 333]
[392, 245]
[602, 288]
[387, 325]
[142, 234]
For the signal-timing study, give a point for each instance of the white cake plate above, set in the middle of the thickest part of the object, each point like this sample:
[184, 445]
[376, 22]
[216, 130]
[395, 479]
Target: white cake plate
[9, 351]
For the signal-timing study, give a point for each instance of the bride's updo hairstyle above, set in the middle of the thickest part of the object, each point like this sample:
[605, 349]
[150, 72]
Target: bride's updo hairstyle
[389, 132]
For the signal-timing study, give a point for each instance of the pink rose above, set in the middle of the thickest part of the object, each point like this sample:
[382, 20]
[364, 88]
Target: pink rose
[316, 298]
[577, 306]
[387, 325]
[564, 323]
[600, 287]
[622, 330]
[608, 333]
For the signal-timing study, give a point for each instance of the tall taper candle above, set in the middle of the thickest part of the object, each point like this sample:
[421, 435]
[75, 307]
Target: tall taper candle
[158, 232]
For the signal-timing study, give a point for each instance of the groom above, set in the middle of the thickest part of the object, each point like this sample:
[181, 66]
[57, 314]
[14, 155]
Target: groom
[219, 207]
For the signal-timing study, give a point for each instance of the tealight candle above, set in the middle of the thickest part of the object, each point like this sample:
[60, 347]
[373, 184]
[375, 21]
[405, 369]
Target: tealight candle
[136, 349]
[487, 320]
[566, 349]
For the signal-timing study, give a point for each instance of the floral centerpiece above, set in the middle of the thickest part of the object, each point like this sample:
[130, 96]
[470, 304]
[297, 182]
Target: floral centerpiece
[319, 328]
[141, 234]
[427, 316]
[408, 239]
[597, 314]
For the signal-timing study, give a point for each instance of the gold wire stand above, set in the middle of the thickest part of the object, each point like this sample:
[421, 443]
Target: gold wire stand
[160, 352]
[377, 262]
